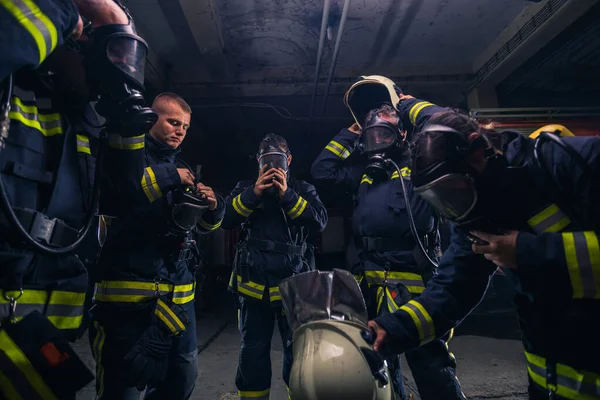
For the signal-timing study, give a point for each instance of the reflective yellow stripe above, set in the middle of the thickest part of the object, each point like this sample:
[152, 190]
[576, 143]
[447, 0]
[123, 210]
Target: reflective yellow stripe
[298, 208]
[338, 149]
[582, 255]
[39, 26]
[570, 383]
[150, 185]
[263, 394]
[358, 278]
[134, 291]
[421, 319]
[413, 282]
[366, 179]
[239, 207]
[379, 298]
[405, 173]
[274, 294]
[97, 349]
[168, 317]
[83, 144]
[28, 115]
[63, 309]
[18, 358]
[550, 219]
[210, 227]
[416, 109]
[116, 141]
[250, 288]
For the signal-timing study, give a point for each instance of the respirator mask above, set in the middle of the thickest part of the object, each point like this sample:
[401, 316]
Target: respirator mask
[273, 157]
[114, 60]
[188, 206]
[378, 141]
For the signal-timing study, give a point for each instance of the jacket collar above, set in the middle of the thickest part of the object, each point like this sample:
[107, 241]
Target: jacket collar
[160, 150]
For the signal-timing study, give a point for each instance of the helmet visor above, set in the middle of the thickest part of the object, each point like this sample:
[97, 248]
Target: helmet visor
[452, 195]
[128, 54]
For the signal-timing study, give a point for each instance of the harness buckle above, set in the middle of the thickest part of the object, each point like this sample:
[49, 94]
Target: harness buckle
[157, 288]
[42, 228]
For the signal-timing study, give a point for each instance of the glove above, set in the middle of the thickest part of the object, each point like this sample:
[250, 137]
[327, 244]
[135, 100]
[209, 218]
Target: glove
[149, 358]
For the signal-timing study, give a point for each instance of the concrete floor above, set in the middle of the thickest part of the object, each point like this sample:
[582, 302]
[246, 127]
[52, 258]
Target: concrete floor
[487, 348]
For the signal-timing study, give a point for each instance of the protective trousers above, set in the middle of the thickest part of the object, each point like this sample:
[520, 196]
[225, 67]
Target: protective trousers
[112, 338]
[256, 324]
[432, 365]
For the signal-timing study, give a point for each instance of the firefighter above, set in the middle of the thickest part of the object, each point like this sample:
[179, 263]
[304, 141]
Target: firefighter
[395, 270]
[529, 208]
[144, 328]
[50, 154]
[277, 213]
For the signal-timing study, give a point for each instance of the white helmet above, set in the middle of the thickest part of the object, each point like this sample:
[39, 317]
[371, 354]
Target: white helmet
[370, 92]
[333, 361]
[333, 356]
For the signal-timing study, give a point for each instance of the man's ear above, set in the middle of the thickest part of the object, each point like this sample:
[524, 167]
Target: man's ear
[289, 157]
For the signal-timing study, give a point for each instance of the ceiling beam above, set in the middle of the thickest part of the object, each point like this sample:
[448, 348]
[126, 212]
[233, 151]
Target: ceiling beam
[536, 26]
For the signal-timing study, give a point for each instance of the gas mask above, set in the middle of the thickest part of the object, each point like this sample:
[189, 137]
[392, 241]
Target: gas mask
[379, 141]
[187, 207]
[273, 157]
[114, 59]
[455, 189]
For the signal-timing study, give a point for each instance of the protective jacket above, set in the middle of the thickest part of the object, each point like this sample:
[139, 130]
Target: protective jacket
[557, 275]
[273, 243]
[47, 165]
[141, 253]
[383, 239]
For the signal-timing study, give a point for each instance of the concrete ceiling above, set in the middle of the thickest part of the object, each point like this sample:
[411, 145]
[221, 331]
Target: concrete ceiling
[247, 67]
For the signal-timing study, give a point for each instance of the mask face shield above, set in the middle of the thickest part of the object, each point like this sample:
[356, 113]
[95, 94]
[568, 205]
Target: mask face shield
[452, 195]
[273, 159]
[114, 60]
[128, 55]
[379, 136]
[187, 210]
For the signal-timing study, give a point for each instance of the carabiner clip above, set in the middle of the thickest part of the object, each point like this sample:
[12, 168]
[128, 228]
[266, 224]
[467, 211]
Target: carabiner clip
[12, 311]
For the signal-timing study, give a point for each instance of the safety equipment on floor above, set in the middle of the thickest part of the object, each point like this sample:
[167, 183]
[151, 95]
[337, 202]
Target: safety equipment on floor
[327, 315]
[370, 92]
[36, 362]
[149, 357]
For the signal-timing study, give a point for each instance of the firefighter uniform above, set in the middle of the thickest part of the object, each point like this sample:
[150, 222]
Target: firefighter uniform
[48, 162]
[394, 268]
[272, 247]
[557, 275]
[141, 258]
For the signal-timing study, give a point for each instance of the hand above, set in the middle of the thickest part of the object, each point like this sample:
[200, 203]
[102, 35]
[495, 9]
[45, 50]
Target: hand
[380, 335]
[186, 176]
[403, 97]
[355, 128]
[102, 12]
[280, 182]
[78, 30]
[211, 197]
[264, 181]
[501, 250]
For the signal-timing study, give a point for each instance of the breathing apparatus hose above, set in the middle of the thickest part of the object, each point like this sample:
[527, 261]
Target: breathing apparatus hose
[7, 208]
[411, 220]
